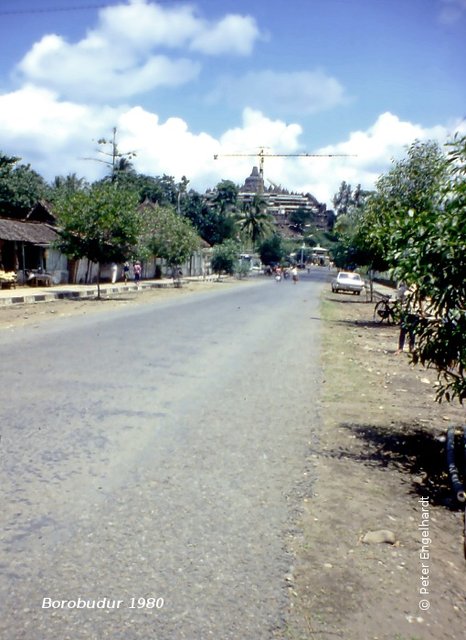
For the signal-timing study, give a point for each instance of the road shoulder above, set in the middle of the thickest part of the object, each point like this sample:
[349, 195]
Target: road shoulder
[380, 451]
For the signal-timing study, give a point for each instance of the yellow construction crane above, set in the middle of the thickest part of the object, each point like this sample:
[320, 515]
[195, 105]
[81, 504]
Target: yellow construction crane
[262, 155]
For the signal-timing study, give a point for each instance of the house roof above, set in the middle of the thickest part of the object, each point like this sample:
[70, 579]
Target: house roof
[33, 232]
[41, 212]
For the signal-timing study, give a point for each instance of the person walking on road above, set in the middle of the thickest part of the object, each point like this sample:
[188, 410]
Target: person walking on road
[294, 274]
[126, 272]
[137, 272]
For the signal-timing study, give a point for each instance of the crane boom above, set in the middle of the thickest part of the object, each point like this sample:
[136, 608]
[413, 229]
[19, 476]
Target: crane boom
[262, 155]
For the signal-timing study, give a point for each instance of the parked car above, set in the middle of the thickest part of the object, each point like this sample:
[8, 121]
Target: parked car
[348, 281]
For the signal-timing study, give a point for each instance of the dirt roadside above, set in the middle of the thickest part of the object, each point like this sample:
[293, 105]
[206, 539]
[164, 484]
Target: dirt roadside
[380, 451]
[16, 315]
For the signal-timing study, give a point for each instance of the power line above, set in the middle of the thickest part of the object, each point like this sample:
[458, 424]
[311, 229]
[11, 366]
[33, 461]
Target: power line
[85, 7]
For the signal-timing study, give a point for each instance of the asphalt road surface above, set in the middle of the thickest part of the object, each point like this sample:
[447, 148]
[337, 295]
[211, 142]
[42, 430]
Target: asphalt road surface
[152, 460]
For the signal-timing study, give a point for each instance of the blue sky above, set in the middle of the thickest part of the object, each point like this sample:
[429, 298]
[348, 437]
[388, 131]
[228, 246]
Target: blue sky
[184, 81]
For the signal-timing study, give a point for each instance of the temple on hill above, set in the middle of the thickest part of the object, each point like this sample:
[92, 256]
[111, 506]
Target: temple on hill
[280, 202]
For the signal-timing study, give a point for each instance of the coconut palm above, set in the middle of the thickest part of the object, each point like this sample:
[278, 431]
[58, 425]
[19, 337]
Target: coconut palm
[254, 221]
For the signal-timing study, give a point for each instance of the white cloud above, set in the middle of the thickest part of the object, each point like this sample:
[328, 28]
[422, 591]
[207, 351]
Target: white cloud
[55, 136]
[287, 93]
[373, 150]
[93, 71]
[126, 54]
[233, 34]
[168, 147]
[257, 130]
[452, 11]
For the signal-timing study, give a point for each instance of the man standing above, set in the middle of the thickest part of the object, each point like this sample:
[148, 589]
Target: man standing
[137, 271]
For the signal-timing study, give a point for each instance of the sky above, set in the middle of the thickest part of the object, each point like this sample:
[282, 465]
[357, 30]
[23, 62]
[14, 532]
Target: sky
[359, 80]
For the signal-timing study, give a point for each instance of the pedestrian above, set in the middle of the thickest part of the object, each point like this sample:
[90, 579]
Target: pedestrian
[126, 272]
[294, 274]
[137, 271]
[411, 313]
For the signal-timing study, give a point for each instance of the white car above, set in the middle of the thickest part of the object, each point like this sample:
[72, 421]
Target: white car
[348, 281]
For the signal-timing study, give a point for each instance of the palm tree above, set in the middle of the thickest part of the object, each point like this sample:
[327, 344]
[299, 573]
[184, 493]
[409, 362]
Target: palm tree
[254, 221]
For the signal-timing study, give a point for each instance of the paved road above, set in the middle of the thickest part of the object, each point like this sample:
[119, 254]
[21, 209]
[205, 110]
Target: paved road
[153, 457]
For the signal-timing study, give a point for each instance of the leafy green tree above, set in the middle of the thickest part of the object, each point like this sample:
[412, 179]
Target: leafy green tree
[226, 198]
[225, 257]
[169, 190]
[413, 185]
[101, 224]
[416, 219]
[211, 225]
[149, 189]
[271, 250]
[433, 258]
[299, 218]
[169, 236]
[254, 221]
[194, 208]
[342, 199]
[66, 185]
[20, 187]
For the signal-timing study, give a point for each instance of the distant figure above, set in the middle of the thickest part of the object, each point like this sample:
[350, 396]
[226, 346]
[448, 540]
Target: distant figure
[114, 272]
[137, 272]
[294, 274]
[126, 272]
[411, 314]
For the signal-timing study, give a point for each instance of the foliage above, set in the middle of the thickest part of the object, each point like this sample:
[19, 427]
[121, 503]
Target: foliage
[412, 187]
[168, 235]
[20, 187]
[212, 225]
[299, 218]
[226, 197]
[271, 250]
[101, 224]
[63, 186]
[242, 269]
[352, 248]
[225, 257]
[347, 198]
[434, 260]
[254, 221]
[417, 220]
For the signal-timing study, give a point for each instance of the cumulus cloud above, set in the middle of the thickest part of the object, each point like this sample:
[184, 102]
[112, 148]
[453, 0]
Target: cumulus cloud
[232, 34]
[56, 136]
[284, 93]
[53, 135]
[93, 72]
[370, 153]
[132, 51]
[451, 11]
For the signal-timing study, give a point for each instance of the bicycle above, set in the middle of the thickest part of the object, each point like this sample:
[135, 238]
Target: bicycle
[386, 310]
